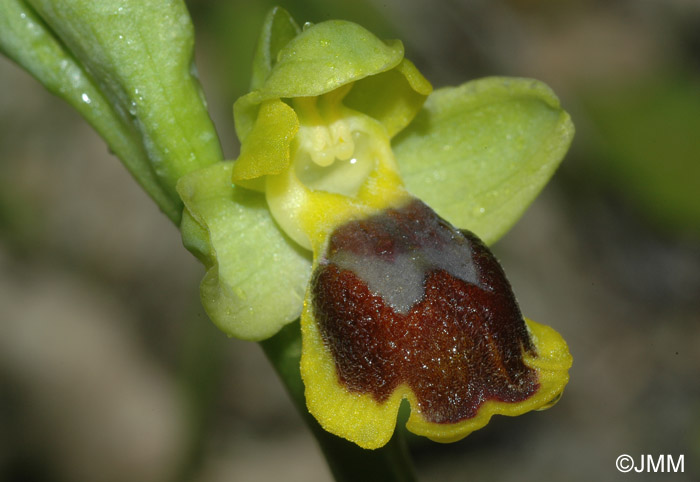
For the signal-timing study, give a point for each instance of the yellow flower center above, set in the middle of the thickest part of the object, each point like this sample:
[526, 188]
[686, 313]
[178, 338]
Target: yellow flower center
[341, 167]
[324, 134]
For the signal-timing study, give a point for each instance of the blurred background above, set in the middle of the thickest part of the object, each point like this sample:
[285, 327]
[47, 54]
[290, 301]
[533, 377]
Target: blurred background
[109, 370]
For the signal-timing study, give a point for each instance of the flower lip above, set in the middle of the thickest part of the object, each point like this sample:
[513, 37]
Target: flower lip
[456, 339]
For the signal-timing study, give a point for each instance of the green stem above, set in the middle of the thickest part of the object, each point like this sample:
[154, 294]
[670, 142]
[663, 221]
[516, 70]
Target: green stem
[201, 372]
[347, 461]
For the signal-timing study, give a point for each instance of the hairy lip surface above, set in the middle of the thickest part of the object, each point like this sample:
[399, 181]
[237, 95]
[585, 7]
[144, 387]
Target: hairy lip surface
[444, 321]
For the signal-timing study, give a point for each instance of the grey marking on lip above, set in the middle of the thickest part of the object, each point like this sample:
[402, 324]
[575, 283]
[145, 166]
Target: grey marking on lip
[399, 279]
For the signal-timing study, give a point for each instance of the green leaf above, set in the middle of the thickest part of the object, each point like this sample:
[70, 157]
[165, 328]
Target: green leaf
[322, 58]
[27, 40]
[256, 276]
[139, 55]
[480, 153]
[279, 28]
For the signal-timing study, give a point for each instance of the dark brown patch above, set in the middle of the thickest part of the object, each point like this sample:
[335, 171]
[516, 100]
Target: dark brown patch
[459, 346]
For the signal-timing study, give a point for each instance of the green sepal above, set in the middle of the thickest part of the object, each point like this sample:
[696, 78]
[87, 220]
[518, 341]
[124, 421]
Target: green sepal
[256, 276]
[328, 55]
[27, 40]
[266, 149]
[139, 55]
[322, 58]
[480, 153]
[278, 29]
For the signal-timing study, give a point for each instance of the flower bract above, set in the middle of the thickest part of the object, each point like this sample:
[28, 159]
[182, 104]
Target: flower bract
[363, 202]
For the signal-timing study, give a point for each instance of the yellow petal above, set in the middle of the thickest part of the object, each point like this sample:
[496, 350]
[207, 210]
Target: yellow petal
[266, 149]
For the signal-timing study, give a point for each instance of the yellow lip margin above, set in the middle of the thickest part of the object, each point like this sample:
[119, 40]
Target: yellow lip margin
[358, 417]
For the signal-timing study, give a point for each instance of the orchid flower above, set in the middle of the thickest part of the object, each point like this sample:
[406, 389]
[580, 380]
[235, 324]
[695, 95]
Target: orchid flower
[362, 201]
[349, 206]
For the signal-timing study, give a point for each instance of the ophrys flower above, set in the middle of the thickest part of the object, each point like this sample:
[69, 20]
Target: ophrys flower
[322, 221]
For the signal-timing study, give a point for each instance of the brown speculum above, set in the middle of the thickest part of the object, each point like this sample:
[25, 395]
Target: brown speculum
[403, 297]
